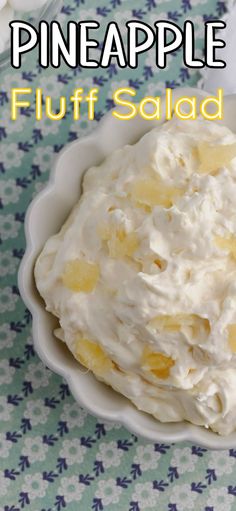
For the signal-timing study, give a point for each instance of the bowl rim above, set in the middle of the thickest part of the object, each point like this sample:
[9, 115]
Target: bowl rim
[127, 415]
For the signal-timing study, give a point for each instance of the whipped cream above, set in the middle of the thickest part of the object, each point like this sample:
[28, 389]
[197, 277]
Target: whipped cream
[8, 10]
[142, 275]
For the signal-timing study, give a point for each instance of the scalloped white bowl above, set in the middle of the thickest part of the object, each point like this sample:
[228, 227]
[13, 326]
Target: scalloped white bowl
[44, 217]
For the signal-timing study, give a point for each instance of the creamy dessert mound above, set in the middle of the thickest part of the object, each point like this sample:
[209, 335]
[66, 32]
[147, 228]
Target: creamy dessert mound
[142, 276]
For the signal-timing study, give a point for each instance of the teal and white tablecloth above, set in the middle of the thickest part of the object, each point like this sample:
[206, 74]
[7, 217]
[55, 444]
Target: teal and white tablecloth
[53, 455]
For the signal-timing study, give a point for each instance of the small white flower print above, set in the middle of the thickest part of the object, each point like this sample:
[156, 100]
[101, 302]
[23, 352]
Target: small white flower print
[35, 486]
[51, 86]
[183, 460]
[44, 157]
[10, 156]
[7, 336]
[87, 14]
[146, 457]
[109, 454]
[10, 125]
[9, 192]
[122, 84]
[9, 227]
[8, 263]
[36, 412]
[72, 451]
[87, 83]
[109, 425]
[5, 446]
[108, 492]
[5, 409]
[4, 483]
[71, 489]
[73, 415]
[12, 81]
[7, 300]
[38, 375]
[121, 17]
[221, 462]
[198, 25]
[183, 497]
[161, 16]
[83, 126]
[156, 89]
[6, 372]
[38, 187]
[220, 499]
[34, 449]
[145, 495]
[47, 126]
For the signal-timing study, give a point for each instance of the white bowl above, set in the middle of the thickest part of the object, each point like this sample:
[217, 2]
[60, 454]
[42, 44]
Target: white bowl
[45, 216]
[45, 13]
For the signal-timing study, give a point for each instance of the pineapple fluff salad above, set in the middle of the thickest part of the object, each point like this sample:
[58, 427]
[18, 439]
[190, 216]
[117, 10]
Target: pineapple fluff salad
[142, 276]
[8, 11]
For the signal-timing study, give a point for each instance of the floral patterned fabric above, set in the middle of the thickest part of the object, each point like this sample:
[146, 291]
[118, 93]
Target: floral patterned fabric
[53, 455]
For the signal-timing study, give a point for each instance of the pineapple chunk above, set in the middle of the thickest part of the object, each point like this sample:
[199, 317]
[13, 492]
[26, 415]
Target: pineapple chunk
[160, 263]
[81, 276]
[149, 264]
[181, 161]
[122, 244]
[175, 323]
[92, 356]
[232, 337]
[119, 243]
[104, 231]
[212, 157]
[227, 244]
[154, 193]
[157, 363]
